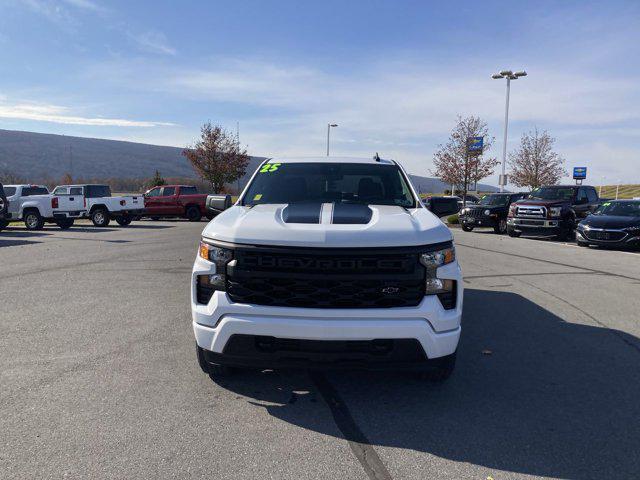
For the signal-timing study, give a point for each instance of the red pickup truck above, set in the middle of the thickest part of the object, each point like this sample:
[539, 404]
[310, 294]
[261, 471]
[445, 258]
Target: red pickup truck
[175, 201]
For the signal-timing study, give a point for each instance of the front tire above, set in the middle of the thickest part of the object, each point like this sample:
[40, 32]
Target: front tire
[467, 229]
[3, 224]
[443, 368]
[100, 217]
[33, 220]
[512, 233]
[124, 221]
[193, 214]
[501, 227]
[65, 224]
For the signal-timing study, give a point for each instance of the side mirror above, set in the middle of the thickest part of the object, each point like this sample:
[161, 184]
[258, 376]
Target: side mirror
[218, 203]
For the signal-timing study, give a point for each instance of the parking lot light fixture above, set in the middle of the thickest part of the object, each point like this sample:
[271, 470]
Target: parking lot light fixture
[509, 75]
[329, 127]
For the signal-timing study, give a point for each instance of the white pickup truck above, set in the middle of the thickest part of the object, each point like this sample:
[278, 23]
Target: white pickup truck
[35, 206]
[101, 207]
[326, 263]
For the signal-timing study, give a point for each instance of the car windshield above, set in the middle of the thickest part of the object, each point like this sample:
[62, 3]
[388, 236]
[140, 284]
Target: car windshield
[620, 209]
[552, 193]
[329, 182]
[494, 200]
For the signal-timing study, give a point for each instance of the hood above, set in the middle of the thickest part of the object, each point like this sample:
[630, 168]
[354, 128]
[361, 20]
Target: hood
[542, 203]
[327, 225]
[610, 221]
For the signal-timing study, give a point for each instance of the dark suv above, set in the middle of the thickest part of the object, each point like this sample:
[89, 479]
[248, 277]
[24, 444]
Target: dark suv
[4, 206]
[491, 211]
[552, 211]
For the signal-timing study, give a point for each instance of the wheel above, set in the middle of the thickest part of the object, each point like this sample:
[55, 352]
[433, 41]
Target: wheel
[501, 227]
[193, 214]
[123, 221]
[155, 219]
[100, 217]
[65, 223]
[33, 220]
[566, 234]
[467, 229]
[3, 224]
[442, 369]
[513, 233]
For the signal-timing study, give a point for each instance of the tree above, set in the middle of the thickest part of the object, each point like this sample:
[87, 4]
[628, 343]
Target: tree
[534, 162]
[454, 165]
[217, 157]
[156, 180]
[66, 179]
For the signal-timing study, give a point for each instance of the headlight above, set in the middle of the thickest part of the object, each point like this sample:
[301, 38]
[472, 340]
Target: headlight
[512, 210]
[433, 260]
[487, 212]
[220, 257]
[217, 255]
[555, 211]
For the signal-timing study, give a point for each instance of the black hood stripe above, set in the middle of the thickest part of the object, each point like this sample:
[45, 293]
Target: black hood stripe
[302, 213]
[351, 214]
[341, 213]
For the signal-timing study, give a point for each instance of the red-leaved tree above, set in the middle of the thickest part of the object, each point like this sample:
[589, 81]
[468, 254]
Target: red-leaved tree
[217, 157]
[454, 165]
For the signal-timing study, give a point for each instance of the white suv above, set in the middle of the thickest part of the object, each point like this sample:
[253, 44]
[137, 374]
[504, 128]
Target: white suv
[327, 262]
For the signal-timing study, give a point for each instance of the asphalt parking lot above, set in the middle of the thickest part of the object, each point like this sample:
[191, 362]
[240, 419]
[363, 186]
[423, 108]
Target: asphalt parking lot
[99, 377]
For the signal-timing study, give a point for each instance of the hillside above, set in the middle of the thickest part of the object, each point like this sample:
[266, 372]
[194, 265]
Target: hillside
[39, 156]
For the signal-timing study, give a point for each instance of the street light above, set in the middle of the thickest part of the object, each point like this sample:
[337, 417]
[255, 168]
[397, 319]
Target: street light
[509, 75]
[329, 125]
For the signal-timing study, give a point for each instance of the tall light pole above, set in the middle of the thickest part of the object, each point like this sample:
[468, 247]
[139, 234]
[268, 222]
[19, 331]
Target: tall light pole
[509, 75]
[329, 126]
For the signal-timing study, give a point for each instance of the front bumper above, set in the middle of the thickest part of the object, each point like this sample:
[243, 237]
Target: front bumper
[536, 227]
[436, 330]
[629, 241]
[483, 221]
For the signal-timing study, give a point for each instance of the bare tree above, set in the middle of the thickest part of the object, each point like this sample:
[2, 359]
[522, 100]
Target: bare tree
[66, 179]
[217, 157]
[454, 164]
[534, 162]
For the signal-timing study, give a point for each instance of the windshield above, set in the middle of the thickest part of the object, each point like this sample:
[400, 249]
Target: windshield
[494, 200]
[552, 193]
[329, 182]
[620, 209]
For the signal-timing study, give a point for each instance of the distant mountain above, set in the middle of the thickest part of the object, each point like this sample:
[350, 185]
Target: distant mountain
[38, 156]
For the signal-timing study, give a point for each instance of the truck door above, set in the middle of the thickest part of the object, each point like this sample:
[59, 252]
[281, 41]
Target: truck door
[169, 201]
[152, 201]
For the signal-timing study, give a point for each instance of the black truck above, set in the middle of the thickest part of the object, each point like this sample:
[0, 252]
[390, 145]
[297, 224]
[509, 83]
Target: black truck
[491, 211]
[552, 211]
[4, 206]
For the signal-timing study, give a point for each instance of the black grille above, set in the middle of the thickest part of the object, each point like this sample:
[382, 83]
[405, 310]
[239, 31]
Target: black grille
[611, 236]
[321, 278]
[475, 213]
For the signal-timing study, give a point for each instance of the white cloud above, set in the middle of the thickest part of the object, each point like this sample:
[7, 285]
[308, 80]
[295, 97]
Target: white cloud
[153, 42]
[57, 114]
[397, 106]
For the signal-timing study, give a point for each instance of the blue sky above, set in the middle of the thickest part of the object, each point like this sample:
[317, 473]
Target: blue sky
[392, 74]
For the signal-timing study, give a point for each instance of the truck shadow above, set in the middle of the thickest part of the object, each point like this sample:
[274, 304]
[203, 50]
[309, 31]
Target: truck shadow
[531, 394]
